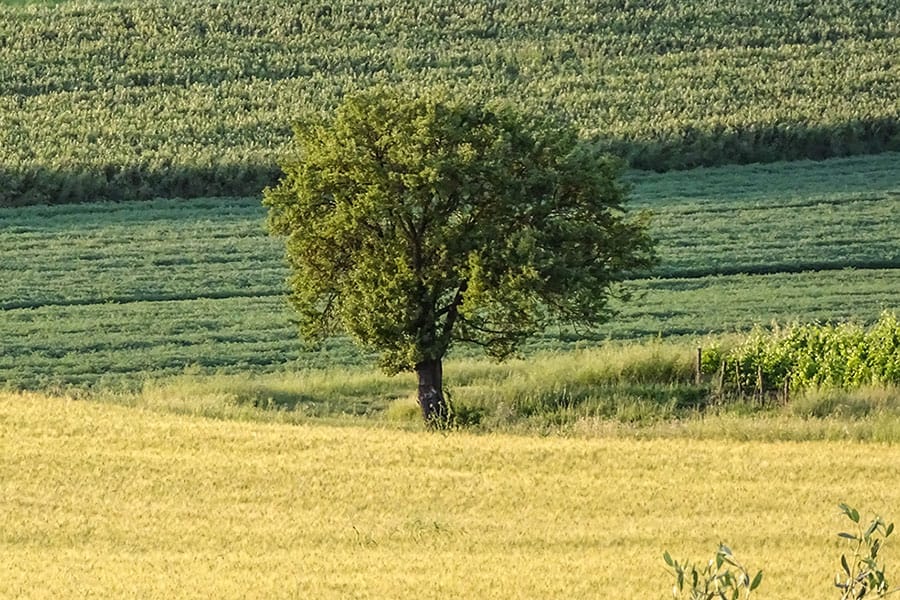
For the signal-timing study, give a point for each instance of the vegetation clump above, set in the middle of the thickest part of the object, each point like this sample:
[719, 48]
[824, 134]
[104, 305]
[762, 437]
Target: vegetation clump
[722, 578]
[811, 356]
[862, 571]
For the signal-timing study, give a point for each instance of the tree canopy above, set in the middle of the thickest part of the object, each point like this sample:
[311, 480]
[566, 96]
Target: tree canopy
[416, 221]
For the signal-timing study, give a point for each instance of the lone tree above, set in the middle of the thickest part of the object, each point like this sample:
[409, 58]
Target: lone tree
[414, 222]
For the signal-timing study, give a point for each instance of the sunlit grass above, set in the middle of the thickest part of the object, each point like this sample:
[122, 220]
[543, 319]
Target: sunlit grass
[848, 405]
[284, 396]
[108, 501]
[626, 390]
[598, 381]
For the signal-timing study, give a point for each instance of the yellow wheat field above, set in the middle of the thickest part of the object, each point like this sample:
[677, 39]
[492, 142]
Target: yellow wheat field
[100, 501]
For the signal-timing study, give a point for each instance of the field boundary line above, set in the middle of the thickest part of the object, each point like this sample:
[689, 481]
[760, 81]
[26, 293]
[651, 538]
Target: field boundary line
[134, 299]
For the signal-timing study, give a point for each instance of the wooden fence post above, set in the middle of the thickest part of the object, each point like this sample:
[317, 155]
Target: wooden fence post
[698, 367]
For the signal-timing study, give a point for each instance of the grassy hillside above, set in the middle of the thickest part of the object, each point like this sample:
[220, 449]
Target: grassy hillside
[110, 293]
[109, 502]
[130, 100]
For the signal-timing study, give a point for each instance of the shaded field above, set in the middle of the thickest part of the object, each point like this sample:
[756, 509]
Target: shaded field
[101, 294]
[107, 501]
[784, 217]
[119, 344]
[92, 112]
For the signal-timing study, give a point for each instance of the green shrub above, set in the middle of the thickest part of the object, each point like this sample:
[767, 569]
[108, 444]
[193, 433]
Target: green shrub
[812, 356]
[862, 573]
[722, 578]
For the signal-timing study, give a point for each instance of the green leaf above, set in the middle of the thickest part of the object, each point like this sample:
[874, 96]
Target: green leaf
[871, 529]
[889, 530]
[756, 581]
[668, 558]
[848, 536]
[845, 565]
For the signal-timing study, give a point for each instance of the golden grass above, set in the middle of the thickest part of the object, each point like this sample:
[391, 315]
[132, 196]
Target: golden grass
[110, 502]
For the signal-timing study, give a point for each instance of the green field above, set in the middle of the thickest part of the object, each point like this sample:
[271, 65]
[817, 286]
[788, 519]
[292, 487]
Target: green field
[109, 294]
[129, 100]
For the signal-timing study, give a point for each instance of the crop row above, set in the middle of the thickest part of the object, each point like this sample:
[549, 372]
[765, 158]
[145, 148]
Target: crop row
[136, 100]
[748, 219]
[121, 44]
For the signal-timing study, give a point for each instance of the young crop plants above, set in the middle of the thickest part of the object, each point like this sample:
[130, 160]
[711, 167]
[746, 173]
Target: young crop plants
[666, 86]
[862, 572]
[813, 356]
[106, 294]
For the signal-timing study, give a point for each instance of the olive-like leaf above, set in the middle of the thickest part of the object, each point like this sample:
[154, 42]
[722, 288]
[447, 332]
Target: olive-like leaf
[871, 529]
[756, 581]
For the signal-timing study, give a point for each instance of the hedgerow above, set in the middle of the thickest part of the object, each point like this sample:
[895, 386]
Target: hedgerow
[810, 356]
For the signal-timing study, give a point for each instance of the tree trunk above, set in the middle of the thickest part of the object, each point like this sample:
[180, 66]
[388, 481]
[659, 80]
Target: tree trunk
[431, 394]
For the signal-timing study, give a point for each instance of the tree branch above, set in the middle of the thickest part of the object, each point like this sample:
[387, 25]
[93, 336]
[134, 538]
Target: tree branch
[452, 312]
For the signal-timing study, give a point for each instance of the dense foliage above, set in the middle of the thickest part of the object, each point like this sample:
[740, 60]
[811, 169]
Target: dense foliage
[132, 99]
[418, 222]
[798, 357]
